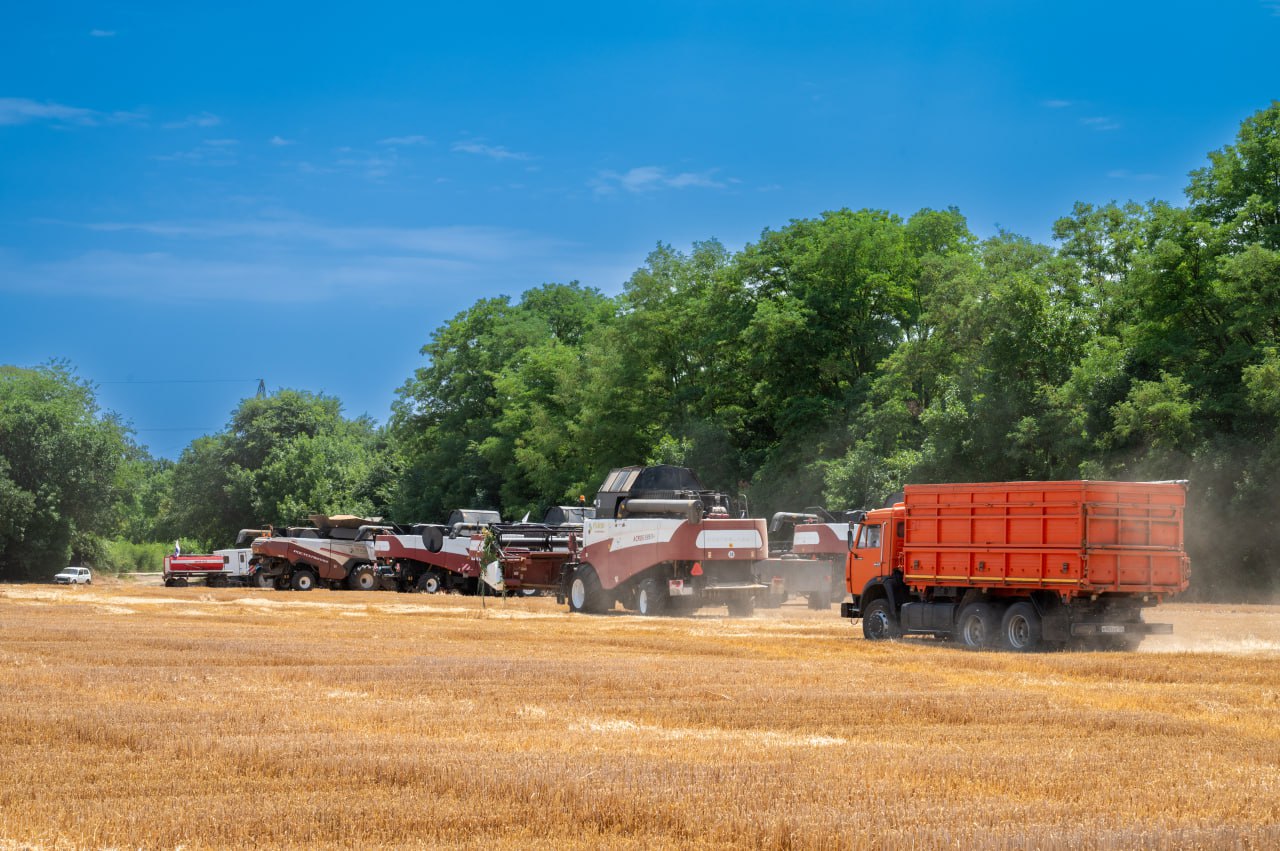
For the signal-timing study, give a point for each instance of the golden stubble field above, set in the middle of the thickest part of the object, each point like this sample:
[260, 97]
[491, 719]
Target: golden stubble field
[140, 717]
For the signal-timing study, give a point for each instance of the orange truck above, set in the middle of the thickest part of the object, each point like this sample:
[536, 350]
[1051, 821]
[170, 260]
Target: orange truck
[1021, 566]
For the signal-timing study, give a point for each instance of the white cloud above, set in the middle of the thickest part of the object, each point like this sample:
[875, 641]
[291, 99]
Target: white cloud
[26, 111]
[279, 260]
[1100, 123]
[1273, 6]
[280, 141]
[497, 152]
[204, 119]
[453, 241]
[405, 141]
[102, 33]
[219, 152]
[650, 178]
[1057, 104]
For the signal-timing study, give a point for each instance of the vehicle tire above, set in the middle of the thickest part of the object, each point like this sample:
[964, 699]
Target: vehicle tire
[585, 594]
[978, 626]
[430, 582]
[820, 600]
[529, 592]
[1021, 629]
[363, 579]
[742, 607]
[262, 580]
[302, 580]
[650, 599]
[169, 583]
[280, 583]
[879, 623]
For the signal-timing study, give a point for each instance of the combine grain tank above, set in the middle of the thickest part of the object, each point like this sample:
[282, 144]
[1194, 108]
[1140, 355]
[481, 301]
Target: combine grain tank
[1019, 565]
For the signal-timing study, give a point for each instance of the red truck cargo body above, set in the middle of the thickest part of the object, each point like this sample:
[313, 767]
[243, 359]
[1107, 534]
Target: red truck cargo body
[1073, 537]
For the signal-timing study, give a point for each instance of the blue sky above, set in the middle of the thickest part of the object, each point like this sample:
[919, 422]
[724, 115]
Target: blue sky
[192, 199]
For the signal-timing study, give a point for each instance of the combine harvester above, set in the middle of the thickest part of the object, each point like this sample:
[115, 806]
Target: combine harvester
[1019, 565]
[807, 555]
[433, 558]
[337, 550]
[659, 542]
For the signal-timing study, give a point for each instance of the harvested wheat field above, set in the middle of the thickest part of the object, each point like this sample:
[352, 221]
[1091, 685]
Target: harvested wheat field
[151, 717]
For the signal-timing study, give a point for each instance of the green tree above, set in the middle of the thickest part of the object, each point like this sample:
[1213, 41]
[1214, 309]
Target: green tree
[60, 460]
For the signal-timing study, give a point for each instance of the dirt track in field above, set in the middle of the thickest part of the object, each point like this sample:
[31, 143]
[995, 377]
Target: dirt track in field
[140, 716]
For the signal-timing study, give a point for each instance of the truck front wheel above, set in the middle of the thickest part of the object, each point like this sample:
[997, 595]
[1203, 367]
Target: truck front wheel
[879, 623]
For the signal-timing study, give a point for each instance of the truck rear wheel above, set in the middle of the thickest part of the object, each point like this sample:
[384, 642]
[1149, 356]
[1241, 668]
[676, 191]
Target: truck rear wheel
[585, 594]
[742, 607]
[977, 626]
[650, 599]
[363, 579]
[1021, 629]
[879, 623]
[302, 580]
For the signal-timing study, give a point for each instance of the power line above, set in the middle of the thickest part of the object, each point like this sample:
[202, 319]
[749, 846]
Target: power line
[181, 381]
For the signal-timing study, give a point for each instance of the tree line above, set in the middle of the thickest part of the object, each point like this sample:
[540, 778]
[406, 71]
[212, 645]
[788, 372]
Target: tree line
[830, 362]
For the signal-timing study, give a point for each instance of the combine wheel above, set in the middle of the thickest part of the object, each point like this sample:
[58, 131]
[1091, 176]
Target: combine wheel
[1020, 628]
[303, 580]
[978, 626]
[820, 600]
[585, 594]
[430, 583]
[363, 579]
[742, 607]
[879, 623]
[650, 599]
[262, 580]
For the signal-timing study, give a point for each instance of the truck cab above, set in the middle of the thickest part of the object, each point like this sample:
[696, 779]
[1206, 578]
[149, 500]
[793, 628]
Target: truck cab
[874, 543]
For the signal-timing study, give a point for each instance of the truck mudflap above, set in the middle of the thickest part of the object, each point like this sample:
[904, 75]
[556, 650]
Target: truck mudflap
[1122, 629]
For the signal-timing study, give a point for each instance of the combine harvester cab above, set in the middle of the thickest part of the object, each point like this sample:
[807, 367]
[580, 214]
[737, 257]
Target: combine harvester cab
[433, 558]
[1020, 565]
[661, 542]
[337, 550]
[807, 553]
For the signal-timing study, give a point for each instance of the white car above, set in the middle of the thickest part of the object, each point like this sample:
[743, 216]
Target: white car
[74, 576]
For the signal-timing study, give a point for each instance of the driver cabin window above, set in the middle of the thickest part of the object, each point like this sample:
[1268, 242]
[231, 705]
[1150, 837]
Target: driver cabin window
[870, 537]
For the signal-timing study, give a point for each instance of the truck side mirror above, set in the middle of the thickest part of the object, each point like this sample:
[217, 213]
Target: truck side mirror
[853, 536]
[432, 539]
